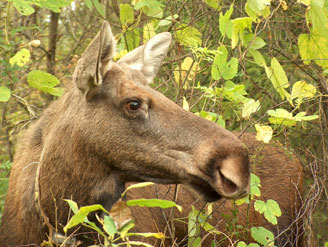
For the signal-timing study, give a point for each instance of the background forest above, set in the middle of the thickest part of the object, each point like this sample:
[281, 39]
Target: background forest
[256, 66]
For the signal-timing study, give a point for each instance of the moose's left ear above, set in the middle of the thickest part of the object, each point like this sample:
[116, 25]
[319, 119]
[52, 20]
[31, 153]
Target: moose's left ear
[95, 61]
[149, 57]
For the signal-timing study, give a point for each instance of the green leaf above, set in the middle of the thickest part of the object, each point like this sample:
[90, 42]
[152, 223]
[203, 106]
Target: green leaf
[256, 44]
[73, 205]
[225, 24]
[281, 117]
[126, 228]
[314, 47]
[232, 92]
[53, 5]
[152, 8]
[88, 3]
[193, 229]
[157, 235]
[262, 235]
[222, 68]
[5, 94]
[270, 209]
[81, 215]
[44, 82]
[213, 4]
[255, 12]
[139, 243]
[263, 133]
[278, 78]
[153, 203]
[258, 5]
[250, 107]
[167, 21]
[138, 185]
[21, 58]
[126, 14]
[131, 39]
[109, 226]
[301, 117]
[243, 244]
[24, 7]
[238, 30]
[258, 58]
[317, 16]
[214, 117]
[188, 36]
[99, 7]
[255, 185]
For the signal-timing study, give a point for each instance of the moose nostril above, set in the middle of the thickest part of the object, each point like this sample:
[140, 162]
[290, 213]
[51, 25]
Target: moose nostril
[228, 186]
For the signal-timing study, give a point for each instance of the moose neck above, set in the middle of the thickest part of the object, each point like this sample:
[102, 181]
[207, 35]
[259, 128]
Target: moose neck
[69, 167]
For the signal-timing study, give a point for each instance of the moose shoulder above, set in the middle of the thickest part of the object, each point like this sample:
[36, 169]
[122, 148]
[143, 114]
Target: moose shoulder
[108, 129]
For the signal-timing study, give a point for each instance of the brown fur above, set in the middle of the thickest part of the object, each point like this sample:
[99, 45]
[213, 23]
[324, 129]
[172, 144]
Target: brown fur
[281, 179]
[89, 143]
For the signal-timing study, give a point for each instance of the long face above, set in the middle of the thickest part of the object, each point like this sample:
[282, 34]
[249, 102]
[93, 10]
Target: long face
[146, 137]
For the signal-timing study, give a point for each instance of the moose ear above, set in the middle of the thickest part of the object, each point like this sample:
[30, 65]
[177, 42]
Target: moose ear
[149, 57]
[95, 61]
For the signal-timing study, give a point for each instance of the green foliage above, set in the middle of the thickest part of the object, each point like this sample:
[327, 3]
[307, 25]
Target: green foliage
[152, 8]
[25, 6]
[283, 117]
[270, 209]
[262, 236]
[126, 14]
[214, 117]
[4, 94]
[222, 68]
[225, 25]
[153, 203]
[44, 82]
[278, 77]
[111, 231]
[238, 30]
[81, 215]
[188, 36]
[255, 185]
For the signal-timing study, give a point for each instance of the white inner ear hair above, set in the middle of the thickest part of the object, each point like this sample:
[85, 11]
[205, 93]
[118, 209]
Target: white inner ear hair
[136, 66]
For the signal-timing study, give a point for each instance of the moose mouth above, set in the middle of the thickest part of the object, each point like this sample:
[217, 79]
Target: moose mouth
[204, 189]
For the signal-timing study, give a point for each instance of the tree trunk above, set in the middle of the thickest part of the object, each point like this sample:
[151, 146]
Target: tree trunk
[52, 40]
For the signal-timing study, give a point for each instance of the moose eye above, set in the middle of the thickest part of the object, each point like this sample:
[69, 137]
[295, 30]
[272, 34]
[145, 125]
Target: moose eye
[133, 105]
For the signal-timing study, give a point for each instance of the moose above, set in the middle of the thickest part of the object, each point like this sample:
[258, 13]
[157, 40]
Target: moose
[281, 176]
[109, 128]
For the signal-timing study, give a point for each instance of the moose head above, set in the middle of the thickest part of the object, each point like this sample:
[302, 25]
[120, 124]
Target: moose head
[111, 127]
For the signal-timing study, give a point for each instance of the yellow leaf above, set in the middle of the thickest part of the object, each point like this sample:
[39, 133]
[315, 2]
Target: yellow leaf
[284, 5]
[185, 104]
[188, 66]
[21, 58]
[305, 2]
[148, 31]
[301, 89]
[264, 133]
